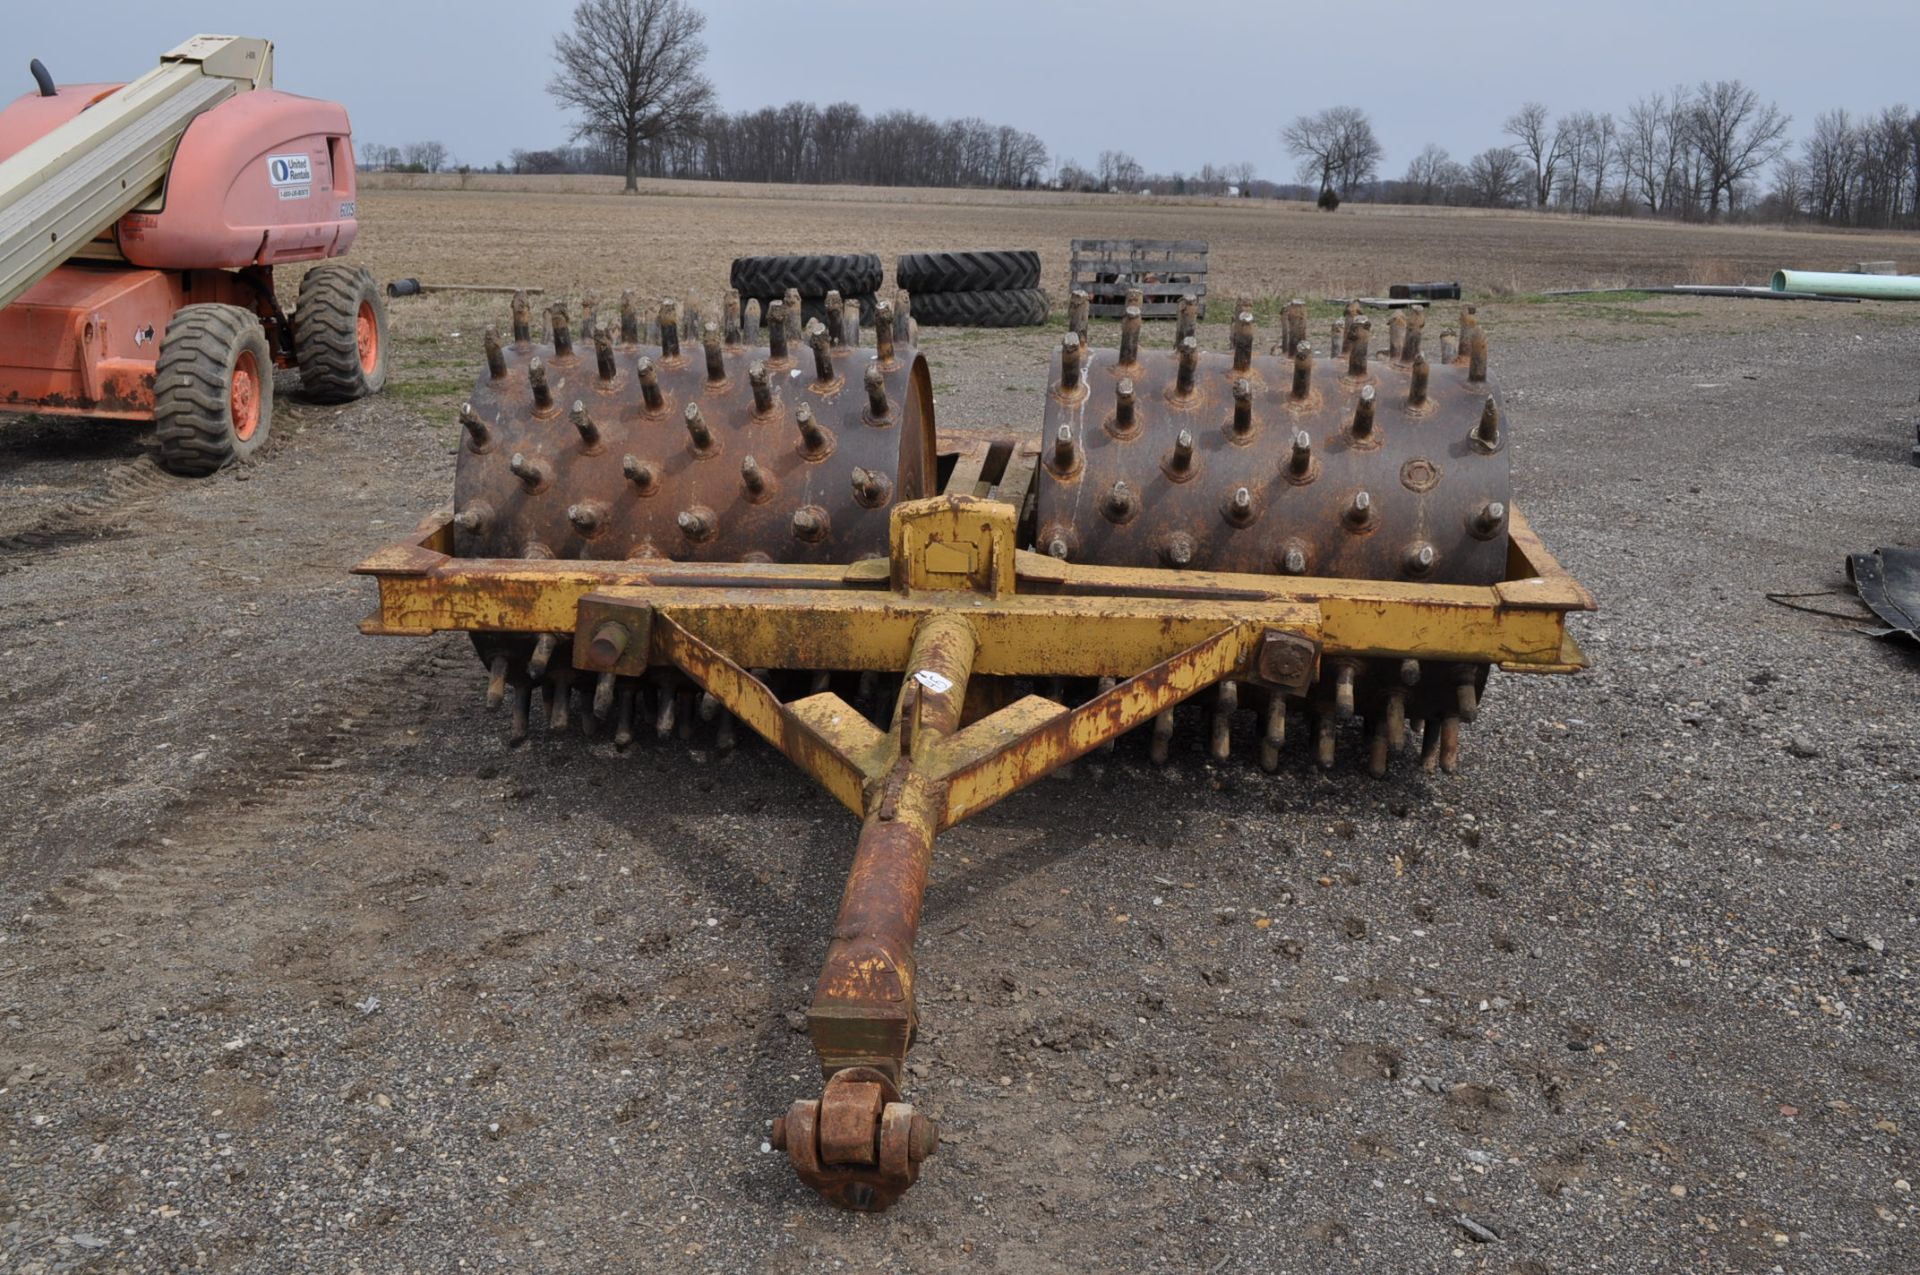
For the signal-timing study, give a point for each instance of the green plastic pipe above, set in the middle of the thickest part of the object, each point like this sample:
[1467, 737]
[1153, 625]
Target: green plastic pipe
[1877, 287]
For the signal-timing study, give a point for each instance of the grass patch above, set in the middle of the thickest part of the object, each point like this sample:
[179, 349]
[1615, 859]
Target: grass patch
[428, 391]
[1601, 307]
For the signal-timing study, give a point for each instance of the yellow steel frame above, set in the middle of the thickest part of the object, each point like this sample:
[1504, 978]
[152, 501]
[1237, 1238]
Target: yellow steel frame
[955, 598]
[1028, 614]
[1519, 624]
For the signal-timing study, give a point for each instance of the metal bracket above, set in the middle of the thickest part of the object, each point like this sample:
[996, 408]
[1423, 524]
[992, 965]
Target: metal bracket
[1286, 661]
[858, 1145]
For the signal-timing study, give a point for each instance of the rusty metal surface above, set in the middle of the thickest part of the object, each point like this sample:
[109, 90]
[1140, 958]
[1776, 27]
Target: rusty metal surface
[857, 1144]
[863, 1002]
[630, 475]
[1244, 499]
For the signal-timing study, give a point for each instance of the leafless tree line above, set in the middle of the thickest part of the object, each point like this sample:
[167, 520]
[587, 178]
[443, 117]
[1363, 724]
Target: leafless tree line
[1695, 153]
[1119, 172]
[630, 71]
[823, 145]
[818, 144]
[414, 157]
[840, 143]
[1698, 153]
[1849, 172]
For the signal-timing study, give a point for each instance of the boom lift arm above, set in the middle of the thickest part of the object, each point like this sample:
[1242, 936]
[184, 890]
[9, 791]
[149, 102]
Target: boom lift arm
[61, 191]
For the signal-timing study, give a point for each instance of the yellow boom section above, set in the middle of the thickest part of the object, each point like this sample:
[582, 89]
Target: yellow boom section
[61, 191]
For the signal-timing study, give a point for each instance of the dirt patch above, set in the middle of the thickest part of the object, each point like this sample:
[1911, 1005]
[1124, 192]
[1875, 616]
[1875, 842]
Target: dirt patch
[304, 968]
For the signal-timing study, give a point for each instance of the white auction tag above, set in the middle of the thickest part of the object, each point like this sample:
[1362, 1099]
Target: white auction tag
[933, 681]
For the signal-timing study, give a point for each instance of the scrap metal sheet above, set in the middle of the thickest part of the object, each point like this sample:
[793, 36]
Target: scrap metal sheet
[1889, 583]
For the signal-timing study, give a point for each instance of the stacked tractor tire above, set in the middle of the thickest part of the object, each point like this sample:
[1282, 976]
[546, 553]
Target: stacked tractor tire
[997, 288]
[854, 276]
[992, 289]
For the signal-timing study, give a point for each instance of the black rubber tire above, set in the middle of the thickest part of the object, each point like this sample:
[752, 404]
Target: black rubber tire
[990, 270]
[1014, 308]
[193, 388]
[813, 275]
[326, 340]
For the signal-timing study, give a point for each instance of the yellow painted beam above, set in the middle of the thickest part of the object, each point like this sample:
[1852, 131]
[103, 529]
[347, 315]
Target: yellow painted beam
[982, 766]
[1018, 635]
[833, 758]
[854, 617]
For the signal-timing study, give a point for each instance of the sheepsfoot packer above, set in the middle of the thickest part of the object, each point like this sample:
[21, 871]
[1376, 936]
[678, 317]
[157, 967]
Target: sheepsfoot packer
[926, 629]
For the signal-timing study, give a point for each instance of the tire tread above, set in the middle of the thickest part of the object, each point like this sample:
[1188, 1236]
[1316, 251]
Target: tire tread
[1009, 308]
[326, 341]
[191, 414]
[987, 270]
[813, 275]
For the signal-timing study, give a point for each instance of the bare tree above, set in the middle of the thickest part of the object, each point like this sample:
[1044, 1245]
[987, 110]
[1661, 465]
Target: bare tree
[1736, 135]
[1539, 142]
[1336, 148]
[1572, 132]
[1885, 144]
[427, 157]
[631, 68]
[1680, 158]
[1656, 150]
[1640, 149]
[1495, 177]
[1427, 173]
[1830, 156]
[1913, 162]
[835, 134]
[1789, 194]
[1600, 154]
[1118, 170]
[375, 156]
[538, 162]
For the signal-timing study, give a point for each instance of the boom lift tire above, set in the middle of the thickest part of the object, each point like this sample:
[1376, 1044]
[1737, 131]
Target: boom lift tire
[212, 390]
[340, 333]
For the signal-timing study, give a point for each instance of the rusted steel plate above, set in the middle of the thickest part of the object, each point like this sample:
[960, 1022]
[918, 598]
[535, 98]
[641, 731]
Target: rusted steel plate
[850, 1125]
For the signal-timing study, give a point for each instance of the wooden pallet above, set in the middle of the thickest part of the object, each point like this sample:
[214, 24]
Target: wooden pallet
[1163, 269]
[997, 468]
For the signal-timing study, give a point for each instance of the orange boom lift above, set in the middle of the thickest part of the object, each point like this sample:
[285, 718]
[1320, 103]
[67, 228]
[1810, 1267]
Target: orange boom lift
[140, 225]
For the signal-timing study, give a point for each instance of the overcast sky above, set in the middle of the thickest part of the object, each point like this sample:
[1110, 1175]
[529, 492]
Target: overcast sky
[1177, 83]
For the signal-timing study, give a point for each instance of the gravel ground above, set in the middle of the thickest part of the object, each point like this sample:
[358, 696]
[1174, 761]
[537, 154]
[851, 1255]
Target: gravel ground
[301, 967]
